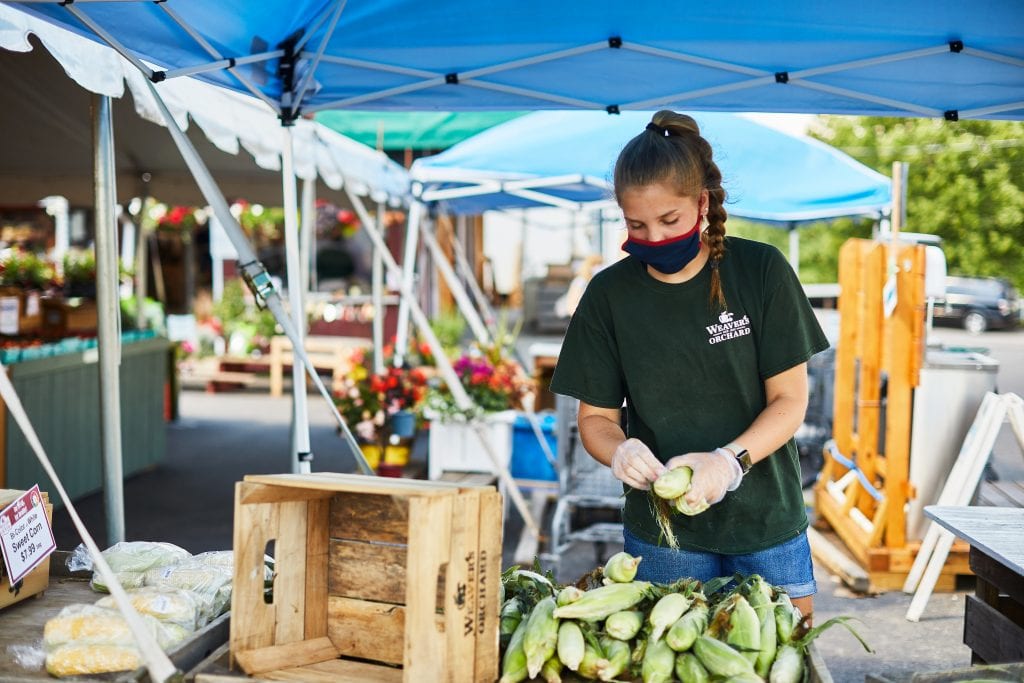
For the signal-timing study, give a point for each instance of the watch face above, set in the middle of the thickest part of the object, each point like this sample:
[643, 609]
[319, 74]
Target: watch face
[745, 463]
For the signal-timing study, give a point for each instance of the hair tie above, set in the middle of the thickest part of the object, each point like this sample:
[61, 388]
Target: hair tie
[657, 129]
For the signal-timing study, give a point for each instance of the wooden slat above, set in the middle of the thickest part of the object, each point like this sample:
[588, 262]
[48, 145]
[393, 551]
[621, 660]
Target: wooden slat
[990, 635]
[252, 623]
[277, 657]
[290, 571]
[488, 582]
[355, 483]
[368, 571]
[870, 350]
[265, 493]
[997, 574]
[367, 630]
[851, 534]
[460, 598]
[850, 255]
[339, 671]
[1012, 492]
[317, 547]
[369, 518]
[425, 653]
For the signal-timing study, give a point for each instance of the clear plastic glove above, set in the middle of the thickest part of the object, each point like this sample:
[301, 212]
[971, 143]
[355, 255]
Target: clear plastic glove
[714, 475]
[633, 463]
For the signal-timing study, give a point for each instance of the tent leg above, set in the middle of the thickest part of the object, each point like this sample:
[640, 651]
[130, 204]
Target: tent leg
[108, 316]
[444, 366]
[377, 282]
[452, 280]
[254, 272]
[301, 455]
[412, 232]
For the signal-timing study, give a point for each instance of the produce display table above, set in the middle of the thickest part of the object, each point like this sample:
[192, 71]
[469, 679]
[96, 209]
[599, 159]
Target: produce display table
[994, 615]
[61, 396]
[21, 631]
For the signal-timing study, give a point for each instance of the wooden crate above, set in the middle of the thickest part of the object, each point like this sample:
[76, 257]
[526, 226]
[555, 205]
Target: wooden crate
[62, 318]
[376, 579]
[37, 580]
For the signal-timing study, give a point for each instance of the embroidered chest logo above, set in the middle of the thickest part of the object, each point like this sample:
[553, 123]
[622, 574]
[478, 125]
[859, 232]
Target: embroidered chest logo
[728, 327]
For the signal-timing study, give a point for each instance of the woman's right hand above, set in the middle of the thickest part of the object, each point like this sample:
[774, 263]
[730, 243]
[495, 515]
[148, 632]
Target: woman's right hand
[633, 463]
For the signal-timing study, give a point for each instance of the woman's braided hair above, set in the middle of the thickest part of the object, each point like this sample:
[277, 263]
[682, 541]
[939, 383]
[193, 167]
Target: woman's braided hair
[672, 151]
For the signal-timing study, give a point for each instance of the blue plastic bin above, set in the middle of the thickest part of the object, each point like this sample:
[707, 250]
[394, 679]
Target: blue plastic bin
[528, 459]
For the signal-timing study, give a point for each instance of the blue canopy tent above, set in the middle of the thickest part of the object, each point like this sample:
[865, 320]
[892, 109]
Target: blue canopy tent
[913, 58]
[563, 158]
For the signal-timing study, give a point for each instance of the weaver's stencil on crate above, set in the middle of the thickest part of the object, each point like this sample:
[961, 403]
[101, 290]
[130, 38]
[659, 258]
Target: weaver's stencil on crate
[371, 574]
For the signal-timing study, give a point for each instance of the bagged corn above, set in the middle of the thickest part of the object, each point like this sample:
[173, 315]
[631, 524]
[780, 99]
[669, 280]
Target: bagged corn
[93, 625]
[73, 659]
[210, 584]
[169, 605]
[129, 560]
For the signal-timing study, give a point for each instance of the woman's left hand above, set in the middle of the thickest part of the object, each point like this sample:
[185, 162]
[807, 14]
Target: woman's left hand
[714, 475]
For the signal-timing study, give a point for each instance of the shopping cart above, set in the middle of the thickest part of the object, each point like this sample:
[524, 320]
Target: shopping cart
[588, 495]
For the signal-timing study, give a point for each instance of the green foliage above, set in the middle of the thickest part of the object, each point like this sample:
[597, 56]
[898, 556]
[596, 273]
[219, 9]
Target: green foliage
[449, 328]
[21, 268]
[79, 266]
[237, 313]
[965, 183]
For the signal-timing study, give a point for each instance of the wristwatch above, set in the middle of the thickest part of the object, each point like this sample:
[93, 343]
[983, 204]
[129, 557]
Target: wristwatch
[741, 454]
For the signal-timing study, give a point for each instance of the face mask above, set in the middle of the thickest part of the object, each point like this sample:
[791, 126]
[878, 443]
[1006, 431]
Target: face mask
[667, 256]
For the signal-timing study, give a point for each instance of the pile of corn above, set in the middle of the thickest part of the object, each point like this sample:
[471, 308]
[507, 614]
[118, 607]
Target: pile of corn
[622, 629]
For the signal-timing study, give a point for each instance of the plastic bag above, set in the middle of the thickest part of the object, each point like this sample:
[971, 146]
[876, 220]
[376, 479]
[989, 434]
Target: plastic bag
[92, 625]
[129, 559]
[73, 659]
[210, 584]
[169, 605]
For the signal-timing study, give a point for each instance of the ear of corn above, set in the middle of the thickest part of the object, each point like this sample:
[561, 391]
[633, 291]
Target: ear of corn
[746, 677]
[513, 663]
[673, 483]
[551, 672]
[511, 615]
[659, 662]
[624, 625]
[786, 618]
[616, 659]
[690, 510]
[541, 637]
[568, 595]
[601, 602]
[744, 629]
[588, 665]
[760, 596]
[720, 659]
[621, 567]
[684, 632]
[769, 644]
[788, 666]
[667, 612]
[690, 670]
[570, 644]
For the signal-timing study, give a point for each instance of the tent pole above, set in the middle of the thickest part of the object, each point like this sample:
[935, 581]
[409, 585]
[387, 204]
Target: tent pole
[412, 232]
[794, 247]
[462, 262]
[307, 233]
[108, 330]
[255, 274]
[301, 455]
[452, 280]
[377, 282]
[444, 366]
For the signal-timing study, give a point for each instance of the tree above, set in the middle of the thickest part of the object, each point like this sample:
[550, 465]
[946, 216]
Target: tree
[965, 184]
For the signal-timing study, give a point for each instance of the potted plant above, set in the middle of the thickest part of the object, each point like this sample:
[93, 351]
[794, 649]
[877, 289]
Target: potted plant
[23, 277]
[382, 409]
[80, 274]
[497, 386]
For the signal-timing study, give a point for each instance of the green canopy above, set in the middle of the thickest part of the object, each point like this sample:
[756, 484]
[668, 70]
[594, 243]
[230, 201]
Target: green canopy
[412, 130]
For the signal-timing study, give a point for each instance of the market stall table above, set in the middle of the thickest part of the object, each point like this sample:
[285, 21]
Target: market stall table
[994, 616]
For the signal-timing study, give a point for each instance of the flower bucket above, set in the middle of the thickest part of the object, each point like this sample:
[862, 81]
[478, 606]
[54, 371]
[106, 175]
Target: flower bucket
[455, 447]
[371, 452]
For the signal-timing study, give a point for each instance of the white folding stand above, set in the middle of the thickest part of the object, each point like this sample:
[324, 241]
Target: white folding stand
[963, 480]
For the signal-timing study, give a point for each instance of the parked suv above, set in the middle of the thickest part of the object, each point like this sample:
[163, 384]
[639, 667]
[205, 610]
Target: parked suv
[978, 304]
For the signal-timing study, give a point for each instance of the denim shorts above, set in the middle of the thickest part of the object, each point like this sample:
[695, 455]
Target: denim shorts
[787, 565]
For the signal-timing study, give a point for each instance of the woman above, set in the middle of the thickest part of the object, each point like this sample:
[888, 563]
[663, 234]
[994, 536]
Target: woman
[704, 340]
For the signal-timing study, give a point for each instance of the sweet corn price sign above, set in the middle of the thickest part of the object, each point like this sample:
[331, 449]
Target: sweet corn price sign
[25, 535]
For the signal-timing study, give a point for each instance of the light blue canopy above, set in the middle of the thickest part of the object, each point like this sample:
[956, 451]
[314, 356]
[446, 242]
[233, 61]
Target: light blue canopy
[566, 158]
[913, 57]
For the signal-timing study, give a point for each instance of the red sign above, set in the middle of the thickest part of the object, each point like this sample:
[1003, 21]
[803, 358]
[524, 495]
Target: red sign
[26, 538]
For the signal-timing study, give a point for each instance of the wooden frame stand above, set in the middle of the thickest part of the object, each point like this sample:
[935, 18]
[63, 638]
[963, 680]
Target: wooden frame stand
[864, 483]
[374, 580]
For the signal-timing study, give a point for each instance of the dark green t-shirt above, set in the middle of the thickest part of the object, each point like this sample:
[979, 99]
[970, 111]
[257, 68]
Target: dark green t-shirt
[692, 378]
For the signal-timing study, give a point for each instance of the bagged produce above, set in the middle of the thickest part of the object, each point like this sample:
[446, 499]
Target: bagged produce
[74, 660]
[211, 585]
[168, 604]
[129, 560]
[731, 628]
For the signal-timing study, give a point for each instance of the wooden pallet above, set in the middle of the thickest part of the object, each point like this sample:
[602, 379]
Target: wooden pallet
[1004, 494]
